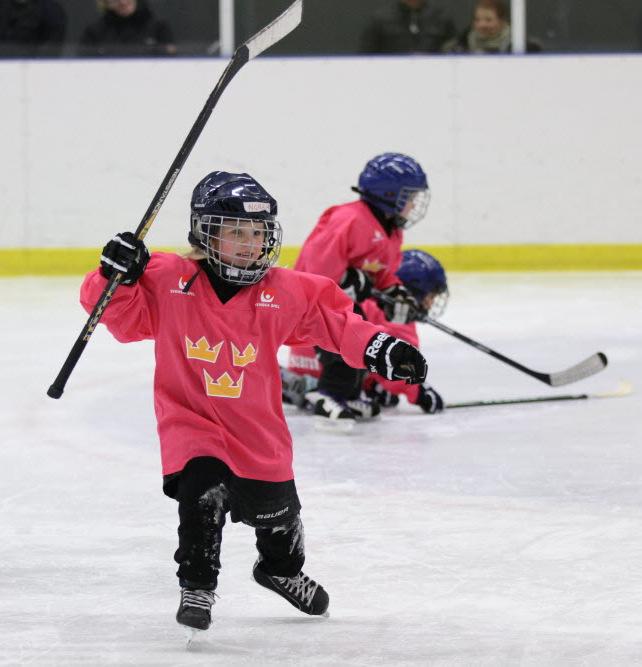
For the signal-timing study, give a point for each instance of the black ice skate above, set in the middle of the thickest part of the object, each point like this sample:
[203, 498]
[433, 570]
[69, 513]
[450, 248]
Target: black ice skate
[364, 409]
[294, 387]
[195, 609]
[300, 591]
[331, 413]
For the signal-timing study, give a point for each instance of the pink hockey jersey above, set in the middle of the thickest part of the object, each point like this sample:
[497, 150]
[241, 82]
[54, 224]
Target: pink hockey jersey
[303, 360]
[350, 235]
[217, 389]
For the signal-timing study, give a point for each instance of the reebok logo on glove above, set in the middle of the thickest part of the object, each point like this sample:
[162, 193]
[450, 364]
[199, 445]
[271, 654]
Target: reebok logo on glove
[395, 359]
[373, 350]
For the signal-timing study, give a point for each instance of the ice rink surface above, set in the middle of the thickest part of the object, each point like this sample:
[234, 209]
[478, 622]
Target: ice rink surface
[487, 536]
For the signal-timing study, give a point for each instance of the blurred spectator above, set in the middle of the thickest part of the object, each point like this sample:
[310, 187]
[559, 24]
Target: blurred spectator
[407, 26]
[127, 28]
[489, 33]
[31, 28]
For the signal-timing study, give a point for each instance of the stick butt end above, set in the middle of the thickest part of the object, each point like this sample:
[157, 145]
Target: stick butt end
[54, 391]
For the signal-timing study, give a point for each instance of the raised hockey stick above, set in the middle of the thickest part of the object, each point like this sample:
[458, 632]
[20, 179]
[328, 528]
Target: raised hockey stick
[590, 366]
[264, 39]
[623, 389]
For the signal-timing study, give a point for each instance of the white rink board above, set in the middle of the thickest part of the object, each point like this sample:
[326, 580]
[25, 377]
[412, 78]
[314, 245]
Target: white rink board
[496, 536]
[518, 150]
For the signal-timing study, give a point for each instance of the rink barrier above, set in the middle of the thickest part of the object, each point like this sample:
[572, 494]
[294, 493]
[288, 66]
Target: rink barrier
[585, 257]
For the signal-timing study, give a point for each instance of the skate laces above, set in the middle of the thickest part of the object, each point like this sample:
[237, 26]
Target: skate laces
[301, 586]
[364, 406]
[198, 597]
[329, 403]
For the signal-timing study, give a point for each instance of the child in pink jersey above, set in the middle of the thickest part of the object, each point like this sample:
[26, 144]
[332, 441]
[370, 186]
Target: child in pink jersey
[218, 318]
[424, 277]
[358, 245]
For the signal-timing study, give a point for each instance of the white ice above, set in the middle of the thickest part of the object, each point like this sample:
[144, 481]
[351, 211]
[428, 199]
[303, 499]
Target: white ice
[486, 536]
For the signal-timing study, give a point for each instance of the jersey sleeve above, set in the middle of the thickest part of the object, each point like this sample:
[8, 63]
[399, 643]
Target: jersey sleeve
[129, 316]
[330, 322]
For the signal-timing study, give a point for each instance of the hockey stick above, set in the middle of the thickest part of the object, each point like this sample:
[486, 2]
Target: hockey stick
[590, 366]
[264, 39]
[623, 389]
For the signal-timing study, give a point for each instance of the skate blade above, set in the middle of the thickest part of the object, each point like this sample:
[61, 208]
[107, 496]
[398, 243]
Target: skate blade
[342, 426]
[366, 420]
[190, 635]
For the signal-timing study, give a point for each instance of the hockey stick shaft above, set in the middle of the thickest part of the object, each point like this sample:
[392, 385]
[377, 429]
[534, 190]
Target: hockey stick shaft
[515, 401]
[624, 389]
[585, 368]
[265, 38]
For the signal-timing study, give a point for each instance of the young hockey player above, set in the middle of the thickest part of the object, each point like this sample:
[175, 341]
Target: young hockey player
[218, 317]
[424, 277]
[358, 245]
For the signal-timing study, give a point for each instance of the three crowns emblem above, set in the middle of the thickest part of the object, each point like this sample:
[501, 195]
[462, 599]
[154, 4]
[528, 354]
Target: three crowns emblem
[224, 386]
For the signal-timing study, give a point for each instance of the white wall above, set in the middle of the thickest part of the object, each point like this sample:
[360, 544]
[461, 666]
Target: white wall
[518, 150]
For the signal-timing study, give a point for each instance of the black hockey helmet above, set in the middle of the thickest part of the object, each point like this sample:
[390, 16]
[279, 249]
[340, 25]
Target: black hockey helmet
[223, 201]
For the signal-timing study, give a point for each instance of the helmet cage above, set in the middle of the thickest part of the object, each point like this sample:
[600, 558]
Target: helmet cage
[438, 303]
[244, 266]
[411, 206]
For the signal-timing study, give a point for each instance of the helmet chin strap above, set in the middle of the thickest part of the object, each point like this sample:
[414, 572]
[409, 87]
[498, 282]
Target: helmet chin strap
[396, 219]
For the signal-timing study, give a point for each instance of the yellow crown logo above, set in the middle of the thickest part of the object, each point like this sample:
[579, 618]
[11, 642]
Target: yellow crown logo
[202, 350]
[248, 356]
[224, 386]
[372, 266]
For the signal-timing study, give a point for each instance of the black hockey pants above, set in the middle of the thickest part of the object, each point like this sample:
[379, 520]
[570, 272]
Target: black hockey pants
[206, 491]
[337, 378]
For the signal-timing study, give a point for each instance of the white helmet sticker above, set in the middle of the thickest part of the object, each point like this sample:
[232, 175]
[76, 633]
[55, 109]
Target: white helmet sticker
[256, 206]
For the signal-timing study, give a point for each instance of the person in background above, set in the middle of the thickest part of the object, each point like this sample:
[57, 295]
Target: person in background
[408, 26]
[490, 32]
[127, 28]
[424, 276]
[31, 28]
[358, 246]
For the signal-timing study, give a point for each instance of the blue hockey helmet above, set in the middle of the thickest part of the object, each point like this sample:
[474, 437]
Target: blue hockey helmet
[226, 205]
[397, 185]
[425, 278]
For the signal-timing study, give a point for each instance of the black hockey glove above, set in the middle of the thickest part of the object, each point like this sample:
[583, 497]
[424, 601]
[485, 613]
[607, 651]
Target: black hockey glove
[399, 305]
[127, 254]
[395, 359]
[356, 284]
[385, 398]
[429, 400]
